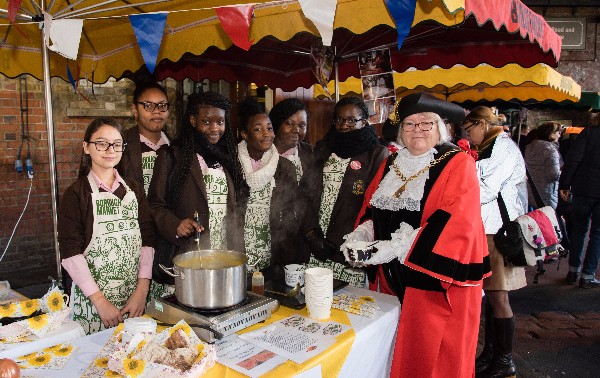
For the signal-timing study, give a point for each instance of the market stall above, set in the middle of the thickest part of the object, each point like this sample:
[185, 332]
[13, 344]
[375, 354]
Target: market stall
[364, 349]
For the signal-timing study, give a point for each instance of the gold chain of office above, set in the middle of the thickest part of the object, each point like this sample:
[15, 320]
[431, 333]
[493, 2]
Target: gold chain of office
[407, 180]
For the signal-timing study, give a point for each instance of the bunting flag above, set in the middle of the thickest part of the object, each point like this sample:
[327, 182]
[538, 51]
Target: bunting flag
[65, 35]
[13, 7]
[403, 13]
[71, 79]
[322, 14]
[149, 30]
[236, 23]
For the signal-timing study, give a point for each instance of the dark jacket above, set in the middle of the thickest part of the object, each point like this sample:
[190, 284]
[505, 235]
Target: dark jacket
[306, 154]
[581, 172]
[350, 197]
[76, 216]
[284, 219]
[193, 198]
[131, 161]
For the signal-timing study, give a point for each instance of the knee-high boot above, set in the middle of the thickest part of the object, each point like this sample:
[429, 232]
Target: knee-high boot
[502, 365]
[487, 354]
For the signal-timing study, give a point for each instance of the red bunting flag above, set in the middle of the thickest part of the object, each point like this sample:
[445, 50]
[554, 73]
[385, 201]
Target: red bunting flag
[236, 23]
[13, 7]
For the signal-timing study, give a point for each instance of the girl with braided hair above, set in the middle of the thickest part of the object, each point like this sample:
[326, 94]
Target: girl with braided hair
[200, 173]
[271, 216]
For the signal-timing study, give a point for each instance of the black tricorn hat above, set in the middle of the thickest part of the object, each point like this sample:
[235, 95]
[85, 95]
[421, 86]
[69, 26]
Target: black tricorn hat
[424, 102]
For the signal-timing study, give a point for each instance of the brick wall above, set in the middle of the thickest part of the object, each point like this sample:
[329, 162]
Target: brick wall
[31, 255]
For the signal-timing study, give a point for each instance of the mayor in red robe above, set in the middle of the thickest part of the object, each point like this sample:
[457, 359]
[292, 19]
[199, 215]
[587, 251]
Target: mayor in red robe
[422, 212]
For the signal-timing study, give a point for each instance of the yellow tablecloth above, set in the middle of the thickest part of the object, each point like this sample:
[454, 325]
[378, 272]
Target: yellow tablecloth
[331, 360]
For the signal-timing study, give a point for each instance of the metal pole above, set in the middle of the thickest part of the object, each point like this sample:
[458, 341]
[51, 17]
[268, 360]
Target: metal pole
[335, 71]
[51, 152]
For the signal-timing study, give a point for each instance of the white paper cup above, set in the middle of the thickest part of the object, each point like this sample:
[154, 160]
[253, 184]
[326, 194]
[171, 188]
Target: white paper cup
[133, 326]
[318, 293]
[294, 274]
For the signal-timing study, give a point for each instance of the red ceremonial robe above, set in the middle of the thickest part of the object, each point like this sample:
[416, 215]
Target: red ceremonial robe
[437, 333]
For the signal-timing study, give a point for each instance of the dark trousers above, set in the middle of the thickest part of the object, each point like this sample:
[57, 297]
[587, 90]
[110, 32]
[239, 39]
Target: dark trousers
[585, 209]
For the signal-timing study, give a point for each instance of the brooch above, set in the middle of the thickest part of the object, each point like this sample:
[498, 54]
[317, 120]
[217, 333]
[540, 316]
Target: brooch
[355, 164]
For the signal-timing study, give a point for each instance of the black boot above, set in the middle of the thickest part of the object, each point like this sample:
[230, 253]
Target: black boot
[502, 365]
[485, 358]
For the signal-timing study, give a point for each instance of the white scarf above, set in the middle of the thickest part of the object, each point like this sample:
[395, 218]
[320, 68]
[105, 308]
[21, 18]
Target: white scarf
[268, 165]
[411, 198]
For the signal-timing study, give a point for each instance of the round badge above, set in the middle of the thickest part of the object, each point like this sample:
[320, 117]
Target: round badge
[355, 165]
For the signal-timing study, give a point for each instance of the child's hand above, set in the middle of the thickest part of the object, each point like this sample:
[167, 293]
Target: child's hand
[186, 228]
[137, 301]
[109, 314]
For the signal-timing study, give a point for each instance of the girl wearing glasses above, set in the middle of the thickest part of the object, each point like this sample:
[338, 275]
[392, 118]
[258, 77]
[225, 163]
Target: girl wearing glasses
[501, 172]
[105, 234]
[199, 173]
[150, 108]
[270, 216]
[346, 161]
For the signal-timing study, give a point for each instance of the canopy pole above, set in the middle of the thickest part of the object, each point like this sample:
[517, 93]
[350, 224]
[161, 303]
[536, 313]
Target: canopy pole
[51, 151]
[336, 73]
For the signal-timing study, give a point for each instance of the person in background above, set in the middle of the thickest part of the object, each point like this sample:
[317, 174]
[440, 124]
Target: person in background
[544, 162]
[423, 214]
[270, 216]
[106, 234]
[521, 137]
[581, 178]
[199, 173]
[150, 109]
[501, 172]
[346, 161]
[290, 123]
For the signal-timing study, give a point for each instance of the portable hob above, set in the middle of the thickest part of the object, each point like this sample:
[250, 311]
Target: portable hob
[255, 308]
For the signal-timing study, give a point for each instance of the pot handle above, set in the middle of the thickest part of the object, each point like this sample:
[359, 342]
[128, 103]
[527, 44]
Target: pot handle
[166, 270]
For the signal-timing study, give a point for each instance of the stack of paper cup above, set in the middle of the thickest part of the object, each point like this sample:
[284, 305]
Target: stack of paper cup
[318, 292]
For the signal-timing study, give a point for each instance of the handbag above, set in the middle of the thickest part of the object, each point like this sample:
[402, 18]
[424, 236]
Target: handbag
[530, 237]
[164, 250]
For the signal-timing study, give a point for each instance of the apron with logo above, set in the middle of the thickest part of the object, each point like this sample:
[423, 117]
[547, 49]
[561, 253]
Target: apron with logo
[334, 171]
[148, 159]
[257, 229]
[112, 255]
[216, 190]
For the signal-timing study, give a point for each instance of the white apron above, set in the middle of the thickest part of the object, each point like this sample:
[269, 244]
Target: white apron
[112, 255]
[148, 159]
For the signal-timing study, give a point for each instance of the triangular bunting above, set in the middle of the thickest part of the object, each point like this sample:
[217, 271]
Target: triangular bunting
[322, 14]
[149, 30]
[403, 13]
[236, 23]
[13, 7]
[65, 35]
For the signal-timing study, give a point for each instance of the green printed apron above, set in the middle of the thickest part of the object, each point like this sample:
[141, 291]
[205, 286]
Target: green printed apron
[257, 230]
[216, 190]
[334, 171]
[295, 159]
[148, 159]
[112, 255]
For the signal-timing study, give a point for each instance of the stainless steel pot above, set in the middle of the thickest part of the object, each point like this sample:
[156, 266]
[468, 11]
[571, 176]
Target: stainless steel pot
[209, 278]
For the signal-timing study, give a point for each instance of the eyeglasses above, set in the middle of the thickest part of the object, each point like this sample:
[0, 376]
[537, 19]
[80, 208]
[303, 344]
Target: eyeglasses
[423, 126]
[473, 123]
[152, 106]
[351, 122]
[104, 146]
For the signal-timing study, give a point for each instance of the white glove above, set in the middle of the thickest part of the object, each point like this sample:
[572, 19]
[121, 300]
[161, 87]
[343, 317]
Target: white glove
[364, 232]
[398, 247]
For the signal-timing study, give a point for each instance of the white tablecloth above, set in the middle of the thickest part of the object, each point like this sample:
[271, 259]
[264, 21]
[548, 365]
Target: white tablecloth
[370, 355]
[70, 330]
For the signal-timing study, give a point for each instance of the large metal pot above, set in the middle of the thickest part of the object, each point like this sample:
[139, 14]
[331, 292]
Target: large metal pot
[209, 278]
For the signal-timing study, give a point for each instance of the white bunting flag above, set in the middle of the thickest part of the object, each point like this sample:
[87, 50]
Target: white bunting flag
[64, 34]
[322, 14]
